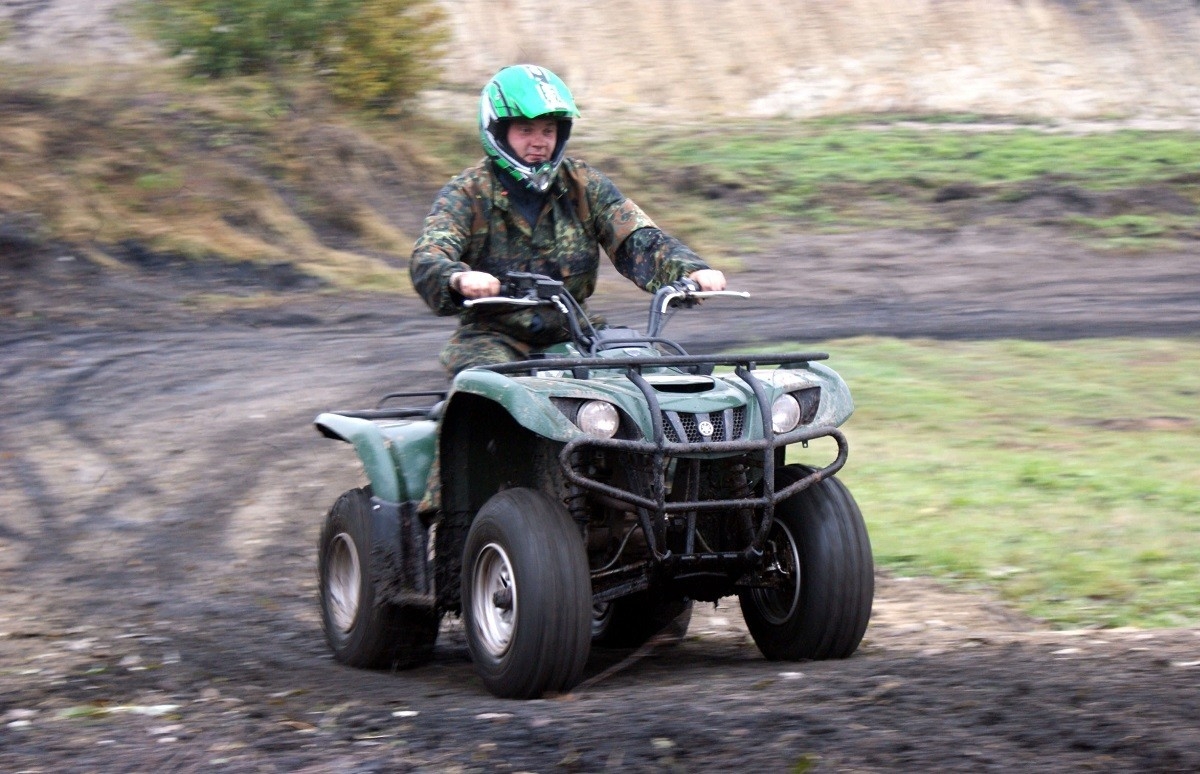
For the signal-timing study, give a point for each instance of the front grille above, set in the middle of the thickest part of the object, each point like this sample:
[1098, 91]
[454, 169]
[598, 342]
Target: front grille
[728, 425]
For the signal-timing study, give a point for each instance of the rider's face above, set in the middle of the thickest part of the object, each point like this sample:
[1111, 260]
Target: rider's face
[533, 140]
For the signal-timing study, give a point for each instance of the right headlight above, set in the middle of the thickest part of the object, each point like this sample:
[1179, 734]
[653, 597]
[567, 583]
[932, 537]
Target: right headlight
[785, 414]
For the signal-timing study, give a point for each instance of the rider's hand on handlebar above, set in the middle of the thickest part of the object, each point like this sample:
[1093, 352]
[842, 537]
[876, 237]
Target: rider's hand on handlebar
[475, 284]
[708, 279]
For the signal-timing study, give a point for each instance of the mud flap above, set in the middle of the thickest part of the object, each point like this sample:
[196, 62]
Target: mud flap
[400, 554]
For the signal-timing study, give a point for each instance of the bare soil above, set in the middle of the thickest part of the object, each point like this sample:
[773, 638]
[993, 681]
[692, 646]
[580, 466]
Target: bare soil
[161, 490]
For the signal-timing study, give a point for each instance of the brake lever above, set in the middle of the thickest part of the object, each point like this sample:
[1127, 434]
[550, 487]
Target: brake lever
[502, 300]
[669, 298]
[693, 297]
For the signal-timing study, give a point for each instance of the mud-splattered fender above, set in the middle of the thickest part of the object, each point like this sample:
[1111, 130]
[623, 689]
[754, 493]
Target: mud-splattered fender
[395, 455]
[531, 408]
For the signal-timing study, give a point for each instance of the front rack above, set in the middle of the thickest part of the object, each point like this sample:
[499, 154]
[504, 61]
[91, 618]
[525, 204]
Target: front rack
[584, 365]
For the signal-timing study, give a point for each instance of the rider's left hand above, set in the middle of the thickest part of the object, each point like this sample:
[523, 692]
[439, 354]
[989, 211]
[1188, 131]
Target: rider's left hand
[708, 279]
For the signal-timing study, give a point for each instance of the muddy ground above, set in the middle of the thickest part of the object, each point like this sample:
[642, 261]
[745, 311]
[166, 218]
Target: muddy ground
[161, 490]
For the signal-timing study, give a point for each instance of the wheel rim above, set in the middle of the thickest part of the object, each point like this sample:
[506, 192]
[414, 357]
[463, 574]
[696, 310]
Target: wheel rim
[778, 605]
[494, 600]
[602, 613]
[343, 580]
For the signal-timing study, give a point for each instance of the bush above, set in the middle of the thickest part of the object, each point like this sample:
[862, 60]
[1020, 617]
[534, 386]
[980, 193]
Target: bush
[375, 52]
[385, 51]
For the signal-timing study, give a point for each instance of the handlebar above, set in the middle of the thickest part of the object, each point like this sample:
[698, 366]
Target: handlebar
[518, 288]
[685, 293]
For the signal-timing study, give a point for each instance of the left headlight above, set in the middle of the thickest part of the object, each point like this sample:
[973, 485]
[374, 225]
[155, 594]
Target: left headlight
[785, 414]
[600, 418]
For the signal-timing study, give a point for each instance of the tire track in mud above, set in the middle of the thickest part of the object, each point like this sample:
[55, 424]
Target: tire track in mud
[176, 469]
[57, 517]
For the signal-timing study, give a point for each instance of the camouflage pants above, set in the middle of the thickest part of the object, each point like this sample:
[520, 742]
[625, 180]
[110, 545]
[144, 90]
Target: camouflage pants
[469, 346]
[473, 346]
[432, 501]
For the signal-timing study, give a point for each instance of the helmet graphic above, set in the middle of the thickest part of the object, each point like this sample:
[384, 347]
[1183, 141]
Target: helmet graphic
[525, 91]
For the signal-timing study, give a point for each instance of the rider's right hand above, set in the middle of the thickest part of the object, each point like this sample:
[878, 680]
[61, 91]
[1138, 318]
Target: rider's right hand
[708, 279]
[475, 284]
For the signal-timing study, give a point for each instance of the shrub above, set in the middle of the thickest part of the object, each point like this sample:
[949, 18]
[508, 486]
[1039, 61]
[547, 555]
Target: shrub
[385, 51]
[375, 52]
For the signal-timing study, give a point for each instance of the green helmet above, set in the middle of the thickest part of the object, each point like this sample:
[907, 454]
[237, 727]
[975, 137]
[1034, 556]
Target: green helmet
[525, 91]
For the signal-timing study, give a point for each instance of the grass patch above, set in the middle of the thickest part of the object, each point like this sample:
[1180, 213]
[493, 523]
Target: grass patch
[725, 182]
[1064, 475]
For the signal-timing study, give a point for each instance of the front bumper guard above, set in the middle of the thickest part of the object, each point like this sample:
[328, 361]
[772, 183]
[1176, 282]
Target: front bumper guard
[653, 509]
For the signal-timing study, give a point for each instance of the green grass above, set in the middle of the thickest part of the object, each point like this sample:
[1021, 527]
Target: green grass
[802, 158]
[721, 183]
[1066, 476]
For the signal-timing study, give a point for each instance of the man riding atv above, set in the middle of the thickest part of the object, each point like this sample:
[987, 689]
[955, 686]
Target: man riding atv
[578, 484]
[527, 207]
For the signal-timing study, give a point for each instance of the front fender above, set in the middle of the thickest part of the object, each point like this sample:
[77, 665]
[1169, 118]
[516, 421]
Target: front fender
[396, 456]
[531, 409]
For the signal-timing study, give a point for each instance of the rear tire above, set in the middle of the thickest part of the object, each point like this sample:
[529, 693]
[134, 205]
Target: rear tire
[361, 631]
[819, 545]
[527, 595]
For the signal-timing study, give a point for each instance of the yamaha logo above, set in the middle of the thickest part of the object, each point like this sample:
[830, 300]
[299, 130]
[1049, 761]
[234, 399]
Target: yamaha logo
[706, 428]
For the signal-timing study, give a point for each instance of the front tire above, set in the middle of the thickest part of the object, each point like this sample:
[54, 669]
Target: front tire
[361, 630]
[819, 549]
[526, 596]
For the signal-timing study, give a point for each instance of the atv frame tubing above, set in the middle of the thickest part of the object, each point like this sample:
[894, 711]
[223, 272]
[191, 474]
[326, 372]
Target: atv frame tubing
[652, 511]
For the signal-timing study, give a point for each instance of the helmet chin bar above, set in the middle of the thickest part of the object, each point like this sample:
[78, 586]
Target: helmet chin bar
[540, 180]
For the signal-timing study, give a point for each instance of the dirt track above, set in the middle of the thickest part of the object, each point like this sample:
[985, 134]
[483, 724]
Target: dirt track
[161, 489]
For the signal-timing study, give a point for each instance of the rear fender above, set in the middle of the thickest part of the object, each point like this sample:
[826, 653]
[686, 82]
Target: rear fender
[396, 456]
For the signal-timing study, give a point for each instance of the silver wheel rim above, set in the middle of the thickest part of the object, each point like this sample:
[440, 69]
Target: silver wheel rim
[343, 579]
[601, 616]
[494, 600]
[779, 605]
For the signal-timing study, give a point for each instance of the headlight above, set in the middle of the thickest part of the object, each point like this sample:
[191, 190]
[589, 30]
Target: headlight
[600, 419]
[785, 414]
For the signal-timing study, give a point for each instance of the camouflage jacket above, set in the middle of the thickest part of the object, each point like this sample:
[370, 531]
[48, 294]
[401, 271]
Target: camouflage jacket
[473, 225]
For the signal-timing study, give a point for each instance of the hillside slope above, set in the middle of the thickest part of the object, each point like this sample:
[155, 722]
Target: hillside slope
[106, 154]
[1067, 58]
[811, 57]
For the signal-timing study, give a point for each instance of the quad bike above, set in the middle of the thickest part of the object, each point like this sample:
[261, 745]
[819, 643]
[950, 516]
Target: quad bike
[589, 495]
